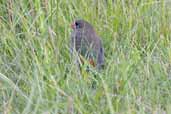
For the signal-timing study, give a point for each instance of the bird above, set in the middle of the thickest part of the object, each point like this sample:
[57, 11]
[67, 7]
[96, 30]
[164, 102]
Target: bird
[86, 43]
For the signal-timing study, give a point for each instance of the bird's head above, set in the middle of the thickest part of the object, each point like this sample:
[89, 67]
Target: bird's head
[81, 24]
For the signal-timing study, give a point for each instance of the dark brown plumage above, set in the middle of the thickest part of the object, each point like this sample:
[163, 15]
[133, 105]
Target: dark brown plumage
[87, 43]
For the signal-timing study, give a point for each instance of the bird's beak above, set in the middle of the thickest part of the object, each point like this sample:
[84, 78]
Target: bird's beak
[73, 26]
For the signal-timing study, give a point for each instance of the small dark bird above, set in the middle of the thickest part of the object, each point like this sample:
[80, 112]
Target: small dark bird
[87, 43]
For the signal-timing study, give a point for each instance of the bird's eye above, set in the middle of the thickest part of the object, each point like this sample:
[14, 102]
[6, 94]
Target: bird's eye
[77, 25]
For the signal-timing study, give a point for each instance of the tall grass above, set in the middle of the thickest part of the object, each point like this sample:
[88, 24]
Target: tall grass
[37, 76]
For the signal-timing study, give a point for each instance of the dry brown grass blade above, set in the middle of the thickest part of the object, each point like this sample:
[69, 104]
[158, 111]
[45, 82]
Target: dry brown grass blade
[9, 10]
[70, 108]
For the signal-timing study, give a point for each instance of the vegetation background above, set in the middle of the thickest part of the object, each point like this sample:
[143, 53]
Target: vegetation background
[37, 76]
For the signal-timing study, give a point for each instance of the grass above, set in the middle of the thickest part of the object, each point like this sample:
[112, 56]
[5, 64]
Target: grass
[37, 76]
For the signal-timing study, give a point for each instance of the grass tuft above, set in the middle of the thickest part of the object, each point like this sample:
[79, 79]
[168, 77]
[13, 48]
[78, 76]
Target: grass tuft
[37, 76]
